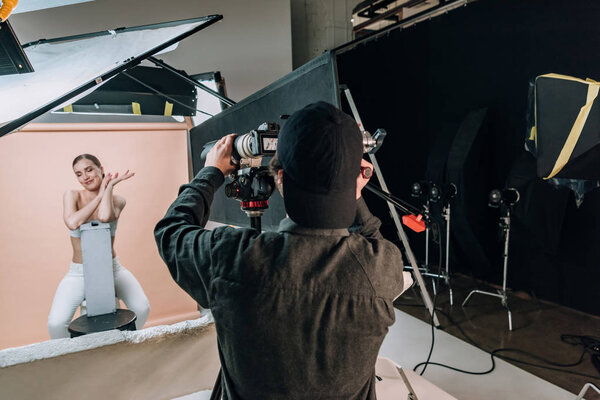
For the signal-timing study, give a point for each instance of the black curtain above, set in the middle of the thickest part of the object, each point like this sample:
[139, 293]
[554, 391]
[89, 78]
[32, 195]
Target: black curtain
[421, 84]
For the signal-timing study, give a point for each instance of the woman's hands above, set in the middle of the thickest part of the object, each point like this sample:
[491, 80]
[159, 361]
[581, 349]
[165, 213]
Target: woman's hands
[116, 178]
[107, 209]
[111, 180]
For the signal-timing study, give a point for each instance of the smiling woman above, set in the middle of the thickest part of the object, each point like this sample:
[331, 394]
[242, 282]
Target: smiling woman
[33, 247]
[95, 202]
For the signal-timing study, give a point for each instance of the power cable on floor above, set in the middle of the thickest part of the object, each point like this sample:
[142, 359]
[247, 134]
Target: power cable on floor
[439, 242]
[591, 345]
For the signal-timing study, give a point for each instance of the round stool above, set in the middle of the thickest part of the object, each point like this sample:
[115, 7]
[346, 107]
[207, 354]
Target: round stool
[123, 320]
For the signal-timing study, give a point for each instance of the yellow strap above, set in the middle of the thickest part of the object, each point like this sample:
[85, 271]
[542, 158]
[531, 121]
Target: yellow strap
[68, 108]
[168, 109]
[573, 137]
[533, 134]
[137, 110]
[564, 77]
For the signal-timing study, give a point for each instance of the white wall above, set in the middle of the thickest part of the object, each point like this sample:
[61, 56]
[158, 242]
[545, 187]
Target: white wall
[251, 46]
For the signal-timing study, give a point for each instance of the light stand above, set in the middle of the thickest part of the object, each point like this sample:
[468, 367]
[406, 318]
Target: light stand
[502, 294]
[395, 217]
[427, 218]
[445, 274]
[432, 194]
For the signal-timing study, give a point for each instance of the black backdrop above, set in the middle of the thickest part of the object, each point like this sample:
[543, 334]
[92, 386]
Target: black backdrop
[312, 82]
[420, 83]
[452, 92]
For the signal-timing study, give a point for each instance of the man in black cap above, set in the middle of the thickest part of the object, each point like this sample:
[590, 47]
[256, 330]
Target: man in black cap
[300, 313]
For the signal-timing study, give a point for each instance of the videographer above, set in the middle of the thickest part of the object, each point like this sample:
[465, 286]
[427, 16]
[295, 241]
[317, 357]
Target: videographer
[300, 313]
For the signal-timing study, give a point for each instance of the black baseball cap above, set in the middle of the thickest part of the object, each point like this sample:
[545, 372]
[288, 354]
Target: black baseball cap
[319, 149]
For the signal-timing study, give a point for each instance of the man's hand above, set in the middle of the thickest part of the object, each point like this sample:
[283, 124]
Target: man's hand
[363, 178]
[220, 155]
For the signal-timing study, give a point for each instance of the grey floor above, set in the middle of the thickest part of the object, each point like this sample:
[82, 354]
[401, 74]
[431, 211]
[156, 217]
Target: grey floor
[408, 342]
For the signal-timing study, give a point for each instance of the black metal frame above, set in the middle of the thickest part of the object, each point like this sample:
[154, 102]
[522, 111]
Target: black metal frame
[408, 21]
[13, 49]
[185, 77]
[17, 123]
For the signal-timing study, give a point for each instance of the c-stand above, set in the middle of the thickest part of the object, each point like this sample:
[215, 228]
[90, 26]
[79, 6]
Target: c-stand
[502, 294]
[443, 274]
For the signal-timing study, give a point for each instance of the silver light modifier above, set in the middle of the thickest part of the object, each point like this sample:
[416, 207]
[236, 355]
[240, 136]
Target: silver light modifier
[372, 143]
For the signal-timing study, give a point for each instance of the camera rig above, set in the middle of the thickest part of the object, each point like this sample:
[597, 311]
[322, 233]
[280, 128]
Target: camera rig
[252, 184]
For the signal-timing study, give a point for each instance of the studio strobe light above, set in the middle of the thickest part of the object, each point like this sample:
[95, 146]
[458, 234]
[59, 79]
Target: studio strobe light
[505, 199]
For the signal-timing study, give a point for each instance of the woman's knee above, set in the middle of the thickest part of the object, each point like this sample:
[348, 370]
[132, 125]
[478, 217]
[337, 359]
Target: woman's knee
[57, 326]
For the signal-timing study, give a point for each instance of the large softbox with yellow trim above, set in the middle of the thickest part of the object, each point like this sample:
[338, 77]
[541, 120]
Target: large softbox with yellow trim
[565, 136]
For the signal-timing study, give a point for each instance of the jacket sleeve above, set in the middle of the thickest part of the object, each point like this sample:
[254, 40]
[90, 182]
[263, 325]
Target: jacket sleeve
[182, 241]
[365, 223]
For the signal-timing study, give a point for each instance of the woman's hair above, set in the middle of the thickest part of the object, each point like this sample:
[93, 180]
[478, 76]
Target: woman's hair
[86, 156]
[90, 157]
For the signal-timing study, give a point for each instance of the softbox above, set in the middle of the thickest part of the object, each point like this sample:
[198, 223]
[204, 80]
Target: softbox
[69, 68]
[565, 136]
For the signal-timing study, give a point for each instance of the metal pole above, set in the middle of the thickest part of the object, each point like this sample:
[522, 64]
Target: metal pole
[186, 78]
[448, 239]
[506, 239]
[427, 236]
[447, 277]
[396, 218]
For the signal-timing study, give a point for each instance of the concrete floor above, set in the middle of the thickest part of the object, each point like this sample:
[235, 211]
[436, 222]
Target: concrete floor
[537, 329]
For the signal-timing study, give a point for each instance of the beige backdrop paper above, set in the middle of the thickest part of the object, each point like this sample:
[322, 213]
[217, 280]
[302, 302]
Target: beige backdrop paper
[35, 250]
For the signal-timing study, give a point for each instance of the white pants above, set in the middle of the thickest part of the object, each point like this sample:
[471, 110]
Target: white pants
[70, 294]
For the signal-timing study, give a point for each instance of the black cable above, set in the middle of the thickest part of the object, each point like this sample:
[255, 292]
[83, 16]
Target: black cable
[164, 95]
[434, 301]
[591, 345]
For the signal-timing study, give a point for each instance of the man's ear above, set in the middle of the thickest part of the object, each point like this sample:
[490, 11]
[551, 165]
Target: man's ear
[279, 178]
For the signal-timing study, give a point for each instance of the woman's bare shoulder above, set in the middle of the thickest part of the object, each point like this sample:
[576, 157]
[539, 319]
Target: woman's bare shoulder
[71, 194]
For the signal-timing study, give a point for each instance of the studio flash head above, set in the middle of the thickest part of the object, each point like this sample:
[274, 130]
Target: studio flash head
[434, 193]
[416, 189]
[508, 197]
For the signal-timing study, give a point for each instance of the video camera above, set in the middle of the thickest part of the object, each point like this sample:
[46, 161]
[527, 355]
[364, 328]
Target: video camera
[252, 184]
